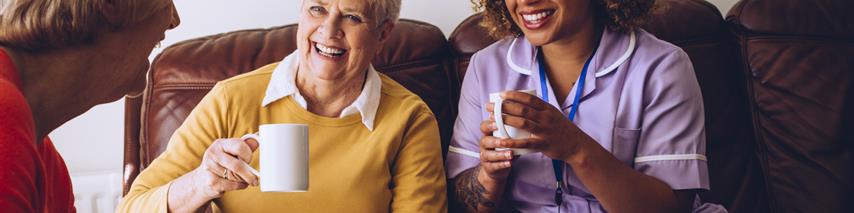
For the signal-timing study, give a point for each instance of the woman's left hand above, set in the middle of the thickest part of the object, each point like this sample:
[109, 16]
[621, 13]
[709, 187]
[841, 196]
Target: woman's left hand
[551, 132]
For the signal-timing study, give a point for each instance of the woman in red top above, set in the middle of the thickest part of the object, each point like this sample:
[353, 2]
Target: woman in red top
[58, 59]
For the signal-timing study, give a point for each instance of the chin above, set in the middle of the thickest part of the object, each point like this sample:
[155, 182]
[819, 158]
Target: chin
[538, 39]
[136, 85]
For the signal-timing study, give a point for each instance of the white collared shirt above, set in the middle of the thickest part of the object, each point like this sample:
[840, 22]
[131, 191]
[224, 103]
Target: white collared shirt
[283, 84]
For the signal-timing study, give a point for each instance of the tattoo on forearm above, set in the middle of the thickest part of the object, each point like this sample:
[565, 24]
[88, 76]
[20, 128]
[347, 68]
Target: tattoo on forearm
[471, 192]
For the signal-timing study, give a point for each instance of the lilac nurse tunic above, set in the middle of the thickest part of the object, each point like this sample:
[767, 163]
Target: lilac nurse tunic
[641, 101]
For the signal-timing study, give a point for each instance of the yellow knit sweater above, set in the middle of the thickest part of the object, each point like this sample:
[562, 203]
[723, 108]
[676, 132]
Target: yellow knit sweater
[396, 167]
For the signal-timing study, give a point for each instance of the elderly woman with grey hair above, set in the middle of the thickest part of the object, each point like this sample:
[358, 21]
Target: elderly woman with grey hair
[374, 146]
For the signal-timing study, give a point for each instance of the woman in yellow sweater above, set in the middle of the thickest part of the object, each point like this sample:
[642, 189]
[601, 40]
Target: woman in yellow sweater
[374, 146]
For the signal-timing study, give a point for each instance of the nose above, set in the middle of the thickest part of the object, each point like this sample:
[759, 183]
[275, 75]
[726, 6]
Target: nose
[329, 29]
[176, 19]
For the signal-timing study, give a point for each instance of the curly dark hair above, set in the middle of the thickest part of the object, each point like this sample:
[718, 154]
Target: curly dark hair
[623, 15]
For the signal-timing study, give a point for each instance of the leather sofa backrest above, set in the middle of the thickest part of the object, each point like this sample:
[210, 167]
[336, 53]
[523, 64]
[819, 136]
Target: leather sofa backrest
[799, 56]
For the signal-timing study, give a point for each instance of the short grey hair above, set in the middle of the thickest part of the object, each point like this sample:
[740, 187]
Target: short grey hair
[386, 10]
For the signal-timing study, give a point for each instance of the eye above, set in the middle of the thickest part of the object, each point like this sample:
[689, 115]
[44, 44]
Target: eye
[353, 18]
[317, 10]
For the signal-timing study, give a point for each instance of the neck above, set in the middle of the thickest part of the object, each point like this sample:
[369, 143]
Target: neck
[52, 84]
[329, 97]
[572, 50]
[565, 58]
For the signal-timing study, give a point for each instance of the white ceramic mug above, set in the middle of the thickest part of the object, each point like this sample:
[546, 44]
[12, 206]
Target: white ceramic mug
[505, 131]
[284, 157]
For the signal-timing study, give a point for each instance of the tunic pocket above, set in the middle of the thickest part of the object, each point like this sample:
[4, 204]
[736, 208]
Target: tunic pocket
[625, 144]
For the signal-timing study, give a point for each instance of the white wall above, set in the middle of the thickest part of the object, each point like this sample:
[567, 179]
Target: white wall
[93, 142]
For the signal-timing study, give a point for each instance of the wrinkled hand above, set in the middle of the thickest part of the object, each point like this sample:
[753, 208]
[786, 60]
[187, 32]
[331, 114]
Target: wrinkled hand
[211, 178]
[551, 132]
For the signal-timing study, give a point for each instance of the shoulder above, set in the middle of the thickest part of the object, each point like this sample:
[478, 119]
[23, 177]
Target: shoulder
[494, 52]
[18, 157]
[260, 76]
[396, 96]
[16, 121]
[654, 51]
[665, 67]
[246, 86]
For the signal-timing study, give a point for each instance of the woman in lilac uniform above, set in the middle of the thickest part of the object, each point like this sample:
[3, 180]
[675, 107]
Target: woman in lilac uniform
[617, 121]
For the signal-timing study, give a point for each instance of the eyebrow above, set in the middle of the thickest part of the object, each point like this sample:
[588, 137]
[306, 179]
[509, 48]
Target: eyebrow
[354, 11]
[320, 2]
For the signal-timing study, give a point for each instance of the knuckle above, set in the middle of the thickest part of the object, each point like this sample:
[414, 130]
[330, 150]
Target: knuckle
[526, 124]
[530, 98]
[232, 165]
[525, 110]
[219, 141]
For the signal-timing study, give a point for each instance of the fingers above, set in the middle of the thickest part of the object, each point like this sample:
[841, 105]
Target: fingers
[522, 123]
[252, 143]
[528, 143]
[238, 167]
[524, 98]
[220, 185]
[212, 183]
[516, 115]
[230, 154]
[237, 147]
[228, 185]
[517, 109]
[490, 143]
[495, 167]
[487, 127]
[491, 156]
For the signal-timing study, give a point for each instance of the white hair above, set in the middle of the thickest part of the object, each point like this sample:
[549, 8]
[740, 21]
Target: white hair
[385, 10]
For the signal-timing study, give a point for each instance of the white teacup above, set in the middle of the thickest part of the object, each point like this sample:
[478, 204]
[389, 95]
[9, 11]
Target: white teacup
[283, 157]
[505, 131]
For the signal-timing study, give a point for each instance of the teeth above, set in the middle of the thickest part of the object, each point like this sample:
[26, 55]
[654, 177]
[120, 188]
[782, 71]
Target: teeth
[329, 50]
[536, 17]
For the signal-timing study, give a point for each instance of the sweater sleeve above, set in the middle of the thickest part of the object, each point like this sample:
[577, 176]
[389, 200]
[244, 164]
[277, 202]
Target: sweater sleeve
[206, 123]
[418, 175]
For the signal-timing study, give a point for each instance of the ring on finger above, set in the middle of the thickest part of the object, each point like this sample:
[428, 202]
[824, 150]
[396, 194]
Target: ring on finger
[224, 174]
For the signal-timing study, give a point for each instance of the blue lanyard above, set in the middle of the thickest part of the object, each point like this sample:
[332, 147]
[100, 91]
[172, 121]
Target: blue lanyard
[558, 164]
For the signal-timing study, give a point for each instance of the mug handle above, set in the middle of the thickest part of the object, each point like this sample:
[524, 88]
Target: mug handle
[499, 119]
[251, 136]
[257, 138]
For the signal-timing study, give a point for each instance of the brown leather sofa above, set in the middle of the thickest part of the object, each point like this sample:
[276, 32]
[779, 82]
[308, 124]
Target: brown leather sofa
[776, 78]
[799, 59]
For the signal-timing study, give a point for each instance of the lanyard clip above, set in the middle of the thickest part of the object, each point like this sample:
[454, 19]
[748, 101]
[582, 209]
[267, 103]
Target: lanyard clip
[558, 194]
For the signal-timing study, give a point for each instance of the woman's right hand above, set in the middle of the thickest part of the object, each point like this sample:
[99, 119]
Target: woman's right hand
[493, 164]
[224, 167]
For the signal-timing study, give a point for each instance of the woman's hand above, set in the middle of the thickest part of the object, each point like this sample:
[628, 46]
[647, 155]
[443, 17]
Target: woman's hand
[551, 132]
[493, 164]
[224, 168]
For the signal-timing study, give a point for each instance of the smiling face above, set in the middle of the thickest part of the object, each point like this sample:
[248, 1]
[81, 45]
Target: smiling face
[547, 21]
[337, 39]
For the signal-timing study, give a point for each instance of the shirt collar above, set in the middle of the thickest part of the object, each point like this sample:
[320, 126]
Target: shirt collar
[614, 49]
[283, 84]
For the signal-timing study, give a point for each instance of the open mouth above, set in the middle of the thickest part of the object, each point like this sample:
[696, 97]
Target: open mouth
[536, 19]
[328, 51]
